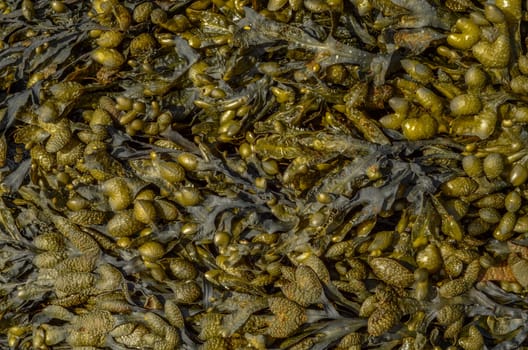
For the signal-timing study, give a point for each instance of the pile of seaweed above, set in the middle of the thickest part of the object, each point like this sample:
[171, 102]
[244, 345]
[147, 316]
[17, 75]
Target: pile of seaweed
[282, 174]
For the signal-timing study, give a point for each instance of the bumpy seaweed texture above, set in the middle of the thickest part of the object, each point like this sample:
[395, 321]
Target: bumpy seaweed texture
[230, 174]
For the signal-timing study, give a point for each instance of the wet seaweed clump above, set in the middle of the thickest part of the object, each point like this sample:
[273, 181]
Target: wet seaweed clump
[293, 174]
